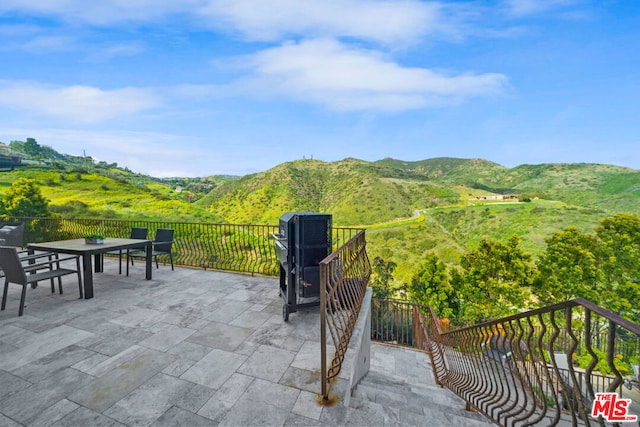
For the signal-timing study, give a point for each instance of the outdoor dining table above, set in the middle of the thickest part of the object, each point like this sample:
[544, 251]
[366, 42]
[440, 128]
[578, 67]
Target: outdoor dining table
[80, 247]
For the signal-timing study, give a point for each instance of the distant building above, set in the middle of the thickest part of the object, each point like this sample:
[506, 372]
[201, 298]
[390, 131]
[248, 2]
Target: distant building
[497, 197]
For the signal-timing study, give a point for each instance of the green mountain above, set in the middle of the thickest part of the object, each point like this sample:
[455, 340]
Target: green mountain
[354, 191]
[357, 192]
[444, 205]
[410, 208]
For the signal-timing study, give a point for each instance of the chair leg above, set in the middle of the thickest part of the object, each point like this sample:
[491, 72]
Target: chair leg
[127, 261]
[60, 285]
[4, 295]
[156, 257]
[22, 298]
[171, 259]
[120, 262]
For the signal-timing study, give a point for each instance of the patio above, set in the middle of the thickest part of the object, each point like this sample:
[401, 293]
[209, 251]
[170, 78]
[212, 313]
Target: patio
[191, 347]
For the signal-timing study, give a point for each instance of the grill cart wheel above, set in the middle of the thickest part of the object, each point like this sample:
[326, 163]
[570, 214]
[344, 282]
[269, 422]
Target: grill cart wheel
[285, 312]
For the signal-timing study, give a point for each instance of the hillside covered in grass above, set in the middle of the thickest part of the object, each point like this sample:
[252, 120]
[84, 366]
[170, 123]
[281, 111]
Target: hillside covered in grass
[74, 194]
[412, 208]
[409, 208]
[357, 192]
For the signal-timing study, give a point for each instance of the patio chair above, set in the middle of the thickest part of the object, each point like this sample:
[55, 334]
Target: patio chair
[498, 349]
[12, 233]
[24, 256]
[136, 233]
[161, 246]
[16, 272]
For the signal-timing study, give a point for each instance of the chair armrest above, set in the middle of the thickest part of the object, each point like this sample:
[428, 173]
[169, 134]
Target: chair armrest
[45, 264]
[163, 243]
[34, 256]
[70, 257]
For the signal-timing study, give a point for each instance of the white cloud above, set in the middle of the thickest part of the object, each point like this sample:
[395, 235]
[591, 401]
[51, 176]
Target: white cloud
[81, 104]
[331, 74]
[378, 20]
[386, 21]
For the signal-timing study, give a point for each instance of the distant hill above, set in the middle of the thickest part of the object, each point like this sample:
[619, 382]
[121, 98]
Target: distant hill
[76, 194]
[408, 208]
[79, 186]
[447, 168]
[357, 192]
[354, 191]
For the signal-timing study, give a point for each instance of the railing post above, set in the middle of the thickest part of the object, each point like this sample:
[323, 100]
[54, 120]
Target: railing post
[323, 329]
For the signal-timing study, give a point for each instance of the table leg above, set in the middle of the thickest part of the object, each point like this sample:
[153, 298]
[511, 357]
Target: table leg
[149, 259]
[87, 276]
[98, 263]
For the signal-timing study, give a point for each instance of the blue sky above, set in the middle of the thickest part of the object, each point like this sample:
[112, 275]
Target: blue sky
[203, 87]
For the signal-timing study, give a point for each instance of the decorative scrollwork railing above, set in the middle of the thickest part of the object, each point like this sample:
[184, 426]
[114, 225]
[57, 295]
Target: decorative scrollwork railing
[344, 276]
[246, 248]
[540, 367]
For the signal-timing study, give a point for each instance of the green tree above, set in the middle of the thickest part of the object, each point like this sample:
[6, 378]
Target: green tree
[619, 238]
[32, 148]
[569, 268]
[381, 277]
[23, 198]
[603, 268]
[496, 280]
[430, 286]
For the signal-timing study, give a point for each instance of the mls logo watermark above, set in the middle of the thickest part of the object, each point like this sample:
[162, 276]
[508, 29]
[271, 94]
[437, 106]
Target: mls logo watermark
[612, 408]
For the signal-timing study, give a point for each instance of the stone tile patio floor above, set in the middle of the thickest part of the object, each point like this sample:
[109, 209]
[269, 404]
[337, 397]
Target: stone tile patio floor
[188, 348]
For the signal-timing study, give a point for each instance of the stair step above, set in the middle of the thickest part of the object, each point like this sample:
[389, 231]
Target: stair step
[401, 390]
[364, 410]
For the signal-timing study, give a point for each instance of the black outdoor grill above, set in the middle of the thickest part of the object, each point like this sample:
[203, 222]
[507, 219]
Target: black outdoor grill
[303, 241]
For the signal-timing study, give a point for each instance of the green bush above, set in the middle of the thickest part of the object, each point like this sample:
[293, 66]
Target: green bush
[602, 366]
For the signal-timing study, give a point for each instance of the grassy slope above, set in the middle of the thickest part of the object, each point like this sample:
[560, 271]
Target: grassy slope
[354, 191]
[381, 196]
[449, 232]
[99, 196]
[384, 195]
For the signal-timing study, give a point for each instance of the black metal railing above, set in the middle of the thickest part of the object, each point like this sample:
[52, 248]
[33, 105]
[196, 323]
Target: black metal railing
[392, 321]
[344, 276]
[246, 248]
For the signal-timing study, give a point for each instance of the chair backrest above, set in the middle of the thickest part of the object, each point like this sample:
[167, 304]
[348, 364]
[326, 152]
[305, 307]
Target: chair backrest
[11, 265]
[165, 238]
[139, 233]
[13, 233]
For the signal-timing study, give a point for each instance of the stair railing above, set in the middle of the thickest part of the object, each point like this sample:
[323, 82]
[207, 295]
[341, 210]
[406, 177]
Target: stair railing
[344, 276]
[523, 369]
